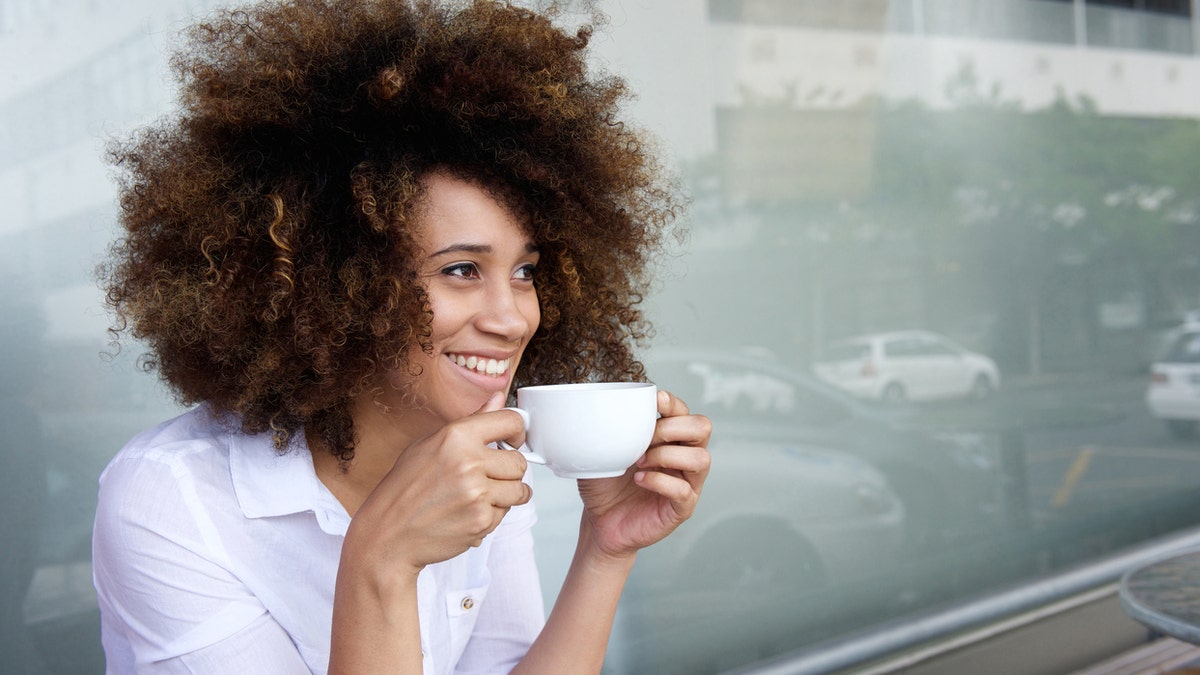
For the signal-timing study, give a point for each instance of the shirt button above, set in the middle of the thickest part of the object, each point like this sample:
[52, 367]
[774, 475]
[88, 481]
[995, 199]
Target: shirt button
[467, 603]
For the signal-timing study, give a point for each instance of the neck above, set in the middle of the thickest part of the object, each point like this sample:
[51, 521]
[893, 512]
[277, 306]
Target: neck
[379, 439]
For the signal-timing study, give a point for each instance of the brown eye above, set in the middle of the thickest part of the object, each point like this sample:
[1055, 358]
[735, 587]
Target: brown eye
[461, 270]
[525, 272]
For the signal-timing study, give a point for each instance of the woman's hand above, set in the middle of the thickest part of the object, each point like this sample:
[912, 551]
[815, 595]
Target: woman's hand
[445, 493]
[630, 512]
[620, 516]
[441, 496]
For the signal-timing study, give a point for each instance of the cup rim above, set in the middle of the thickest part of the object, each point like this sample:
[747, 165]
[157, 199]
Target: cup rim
[587, 386]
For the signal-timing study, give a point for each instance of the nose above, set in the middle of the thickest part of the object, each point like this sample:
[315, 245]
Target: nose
[509, 312]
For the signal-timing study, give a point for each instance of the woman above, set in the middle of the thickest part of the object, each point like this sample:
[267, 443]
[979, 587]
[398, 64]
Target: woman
[369, 224]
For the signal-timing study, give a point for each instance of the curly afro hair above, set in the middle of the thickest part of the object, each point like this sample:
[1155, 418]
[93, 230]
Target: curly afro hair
[267, 259]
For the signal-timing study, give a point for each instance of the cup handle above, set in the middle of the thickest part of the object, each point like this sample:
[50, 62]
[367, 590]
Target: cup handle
[524, 449]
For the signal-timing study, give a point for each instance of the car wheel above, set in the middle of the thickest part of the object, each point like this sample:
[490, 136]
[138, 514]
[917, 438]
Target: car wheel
[751, 558]
[1182, 429]
[894, 394]
[981, 388]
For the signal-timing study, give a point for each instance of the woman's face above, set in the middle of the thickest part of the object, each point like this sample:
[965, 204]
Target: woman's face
[476, 262]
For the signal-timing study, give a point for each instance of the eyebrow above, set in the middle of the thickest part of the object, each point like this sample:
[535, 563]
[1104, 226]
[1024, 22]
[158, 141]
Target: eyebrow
[476, 248]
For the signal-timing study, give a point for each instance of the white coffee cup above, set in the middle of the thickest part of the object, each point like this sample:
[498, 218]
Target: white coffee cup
[588, 430]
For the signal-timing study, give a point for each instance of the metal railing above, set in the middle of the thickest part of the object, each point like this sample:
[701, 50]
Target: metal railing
[1002, 611]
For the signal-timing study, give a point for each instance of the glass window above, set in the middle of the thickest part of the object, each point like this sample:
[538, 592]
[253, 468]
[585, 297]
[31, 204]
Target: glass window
[1016, 177]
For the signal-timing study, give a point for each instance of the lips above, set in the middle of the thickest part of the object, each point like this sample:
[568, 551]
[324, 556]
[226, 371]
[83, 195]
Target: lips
[481, 364]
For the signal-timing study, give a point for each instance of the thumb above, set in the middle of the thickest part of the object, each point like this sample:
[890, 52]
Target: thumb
[494, 402]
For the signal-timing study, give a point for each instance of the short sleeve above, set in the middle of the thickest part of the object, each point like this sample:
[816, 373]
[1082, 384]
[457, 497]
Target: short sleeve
[163, 579]
[513, 614]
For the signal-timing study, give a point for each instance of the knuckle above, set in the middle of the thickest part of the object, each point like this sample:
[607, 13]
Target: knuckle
[480, 520]
[457, 434]
[474, 495]
[468, 466]
[463, 485]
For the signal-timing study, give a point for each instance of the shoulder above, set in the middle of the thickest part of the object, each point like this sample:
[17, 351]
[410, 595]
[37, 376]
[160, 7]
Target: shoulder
[165, 506]
[169, 577]
[166, 475]
[194, 429]
[189, 443]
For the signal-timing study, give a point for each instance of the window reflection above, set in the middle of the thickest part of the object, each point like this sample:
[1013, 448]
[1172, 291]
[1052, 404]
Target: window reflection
[990, 204]
[1174, 392]
[23, 485]
[907, 366]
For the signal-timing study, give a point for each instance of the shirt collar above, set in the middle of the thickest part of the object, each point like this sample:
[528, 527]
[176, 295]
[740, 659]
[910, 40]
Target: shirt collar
[269, 483]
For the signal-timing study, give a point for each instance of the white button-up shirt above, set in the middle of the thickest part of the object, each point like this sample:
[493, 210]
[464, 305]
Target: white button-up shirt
[214, 553]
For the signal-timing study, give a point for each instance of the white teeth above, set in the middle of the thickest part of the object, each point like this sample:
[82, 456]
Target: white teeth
[481, 365]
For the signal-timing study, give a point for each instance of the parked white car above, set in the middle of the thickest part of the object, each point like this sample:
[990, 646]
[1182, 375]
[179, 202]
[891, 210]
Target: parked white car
[912, 365]
[1174, 392]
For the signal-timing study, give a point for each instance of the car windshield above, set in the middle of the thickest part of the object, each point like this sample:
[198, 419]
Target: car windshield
[1186, 349]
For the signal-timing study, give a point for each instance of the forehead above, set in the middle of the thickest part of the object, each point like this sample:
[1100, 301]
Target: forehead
[456, 210]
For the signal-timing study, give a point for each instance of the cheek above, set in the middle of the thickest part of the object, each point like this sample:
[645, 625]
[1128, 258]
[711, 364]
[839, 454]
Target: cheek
[448, 317]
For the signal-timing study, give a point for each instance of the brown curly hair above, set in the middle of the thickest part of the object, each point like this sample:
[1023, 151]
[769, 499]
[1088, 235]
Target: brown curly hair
[267, 259]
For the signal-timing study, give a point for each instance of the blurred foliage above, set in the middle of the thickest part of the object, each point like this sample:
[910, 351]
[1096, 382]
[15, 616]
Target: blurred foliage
[1067, 176]
[1020, 232]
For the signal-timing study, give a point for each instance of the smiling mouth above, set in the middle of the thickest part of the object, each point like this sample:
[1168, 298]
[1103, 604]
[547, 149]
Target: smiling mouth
[481, 365]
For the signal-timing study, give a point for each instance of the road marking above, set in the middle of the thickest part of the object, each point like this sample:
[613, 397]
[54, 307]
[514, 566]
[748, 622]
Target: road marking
[1063, 495]
[1117, 452]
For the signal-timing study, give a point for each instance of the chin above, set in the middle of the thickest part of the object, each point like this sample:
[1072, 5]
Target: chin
[469, 404]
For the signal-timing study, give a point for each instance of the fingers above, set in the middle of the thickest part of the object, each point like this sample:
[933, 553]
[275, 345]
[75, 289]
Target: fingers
[670, 405]
[678, 462]
[681, 458]
[514, 442]
[508, 493]
[679, 491]
[492, 426]
[503, 470]
[683, 429]
[688, 465]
